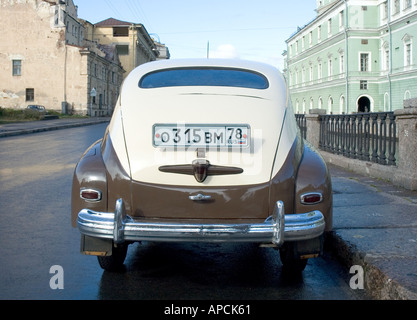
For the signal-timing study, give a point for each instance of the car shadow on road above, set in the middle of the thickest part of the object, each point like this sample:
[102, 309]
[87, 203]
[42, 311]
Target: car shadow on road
[200, 271]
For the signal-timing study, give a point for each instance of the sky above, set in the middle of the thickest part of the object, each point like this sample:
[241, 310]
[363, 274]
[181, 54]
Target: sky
[244, 29]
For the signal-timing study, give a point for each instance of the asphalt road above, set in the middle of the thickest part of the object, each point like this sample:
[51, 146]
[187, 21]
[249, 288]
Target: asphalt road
[36, 235]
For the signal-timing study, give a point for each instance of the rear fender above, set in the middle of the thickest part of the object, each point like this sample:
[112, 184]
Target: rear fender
[90, 173]
[313, 176]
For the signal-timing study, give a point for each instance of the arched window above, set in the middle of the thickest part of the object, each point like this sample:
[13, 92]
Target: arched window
[330, 105]
[386, 102]
[342, 104]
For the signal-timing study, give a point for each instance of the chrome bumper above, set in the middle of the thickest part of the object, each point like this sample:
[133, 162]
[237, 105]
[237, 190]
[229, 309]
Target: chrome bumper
[279, 227]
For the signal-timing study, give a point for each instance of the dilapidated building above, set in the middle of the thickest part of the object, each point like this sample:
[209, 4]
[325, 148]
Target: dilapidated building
[133, 42]
[46, 59]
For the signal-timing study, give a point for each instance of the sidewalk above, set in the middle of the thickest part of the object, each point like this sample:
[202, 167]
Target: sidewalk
[375, 227]
[374, 222]
[19, 128]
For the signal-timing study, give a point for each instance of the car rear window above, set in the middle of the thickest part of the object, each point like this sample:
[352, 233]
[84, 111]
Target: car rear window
[217, 77]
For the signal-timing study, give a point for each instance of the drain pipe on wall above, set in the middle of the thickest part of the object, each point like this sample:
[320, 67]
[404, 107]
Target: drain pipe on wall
[390, 54]
[347, 55]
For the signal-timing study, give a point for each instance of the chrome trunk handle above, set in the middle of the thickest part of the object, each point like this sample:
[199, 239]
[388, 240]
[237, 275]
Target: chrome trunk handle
[200, 197]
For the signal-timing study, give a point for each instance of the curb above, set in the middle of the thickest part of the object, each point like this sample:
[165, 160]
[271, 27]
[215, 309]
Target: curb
[377, 283]
[52, 128]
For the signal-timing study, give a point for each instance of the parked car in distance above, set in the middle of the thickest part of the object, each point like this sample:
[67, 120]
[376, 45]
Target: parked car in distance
[206, 151]
[36, 108]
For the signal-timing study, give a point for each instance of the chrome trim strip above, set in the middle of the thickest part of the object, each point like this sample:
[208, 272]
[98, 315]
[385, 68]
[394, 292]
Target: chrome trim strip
[200, 197]
[277, 228]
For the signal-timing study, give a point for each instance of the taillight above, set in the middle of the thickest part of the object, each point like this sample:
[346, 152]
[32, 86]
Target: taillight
[311, 198]
[90, 195]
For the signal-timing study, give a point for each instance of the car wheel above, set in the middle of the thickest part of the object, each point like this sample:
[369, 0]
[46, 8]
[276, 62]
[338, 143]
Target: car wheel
[291, 263]
[115, 261]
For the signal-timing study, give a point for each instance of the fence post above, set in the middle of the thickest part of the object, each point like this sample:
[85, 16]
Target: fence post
[407, 142]
[313, 126]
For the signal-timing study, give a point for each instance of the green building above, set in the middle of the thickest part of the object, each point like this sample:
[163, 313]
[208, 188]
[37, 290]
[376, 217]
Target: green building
[355, 56]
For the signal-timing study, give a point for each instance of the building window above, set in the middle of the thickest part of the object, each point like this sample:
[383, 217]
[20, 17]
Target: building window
[311, 73]
[385, 10]
[320, 70]
[330, 70]
[364, 59]
[364, 85]
[342, 104]
[341, 19]
[396, 6]
[319, 33]
[330, 105]
[17, 67]
[122, 50]
[387, 59]
[30, 94]
[408, 54]
[408, 50]
[342, 64]
[303, 75]
[121, 32]
[329, 26]
[407, 4]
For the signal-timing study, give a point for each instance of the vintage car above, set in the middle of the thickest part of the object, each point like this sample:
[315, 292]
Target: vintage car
[205, 151]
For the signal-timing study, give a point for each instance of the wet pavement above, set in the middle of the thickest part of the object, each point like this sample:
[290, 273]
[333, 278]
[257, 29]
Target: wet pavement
[374, 225]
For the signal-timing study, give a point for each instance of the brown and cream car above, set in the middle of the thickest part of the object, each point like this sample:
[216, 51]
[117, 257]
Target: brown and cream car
[202, 150]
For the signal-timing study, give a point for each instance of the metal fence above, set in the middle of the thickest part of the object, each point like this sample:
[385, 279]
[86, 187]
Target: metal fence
[363, 136]
[302, 124]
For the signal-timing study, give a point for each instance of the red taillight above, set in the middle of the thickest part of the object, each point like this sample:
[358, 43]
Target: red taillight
[311, 198]
[90, 195]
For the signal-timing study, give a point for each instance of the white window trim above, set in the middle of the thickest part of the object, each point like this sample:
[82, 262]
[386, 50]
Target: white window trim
[369, 61]
[408, 40]
[329, 26]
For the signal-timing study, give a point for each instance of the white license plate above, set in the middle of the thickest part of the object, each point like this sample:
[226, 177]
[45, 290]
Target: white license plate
[166, 135]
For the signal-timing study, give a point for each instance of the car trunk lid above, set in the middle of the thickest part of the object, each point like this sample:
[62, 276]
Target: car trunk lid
[181, 181]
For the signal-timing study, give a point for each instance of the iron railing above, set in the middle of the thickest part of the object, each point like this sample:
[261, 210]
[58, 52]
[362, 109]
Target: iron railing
[363, 136]
[302, 124]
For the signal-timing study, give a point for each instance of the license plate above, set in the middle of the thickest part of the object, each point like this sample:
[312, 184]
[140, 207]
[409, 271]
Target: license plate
[166, 135]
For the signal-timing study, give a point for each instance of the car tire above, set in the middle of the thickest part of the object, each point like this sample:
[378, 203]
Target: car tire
[290, 262]
[115, 261]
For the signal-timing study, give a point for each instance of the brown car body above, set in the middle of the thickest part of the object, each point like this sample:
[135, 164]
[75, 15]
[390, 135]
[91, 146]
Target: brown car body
[303, 173]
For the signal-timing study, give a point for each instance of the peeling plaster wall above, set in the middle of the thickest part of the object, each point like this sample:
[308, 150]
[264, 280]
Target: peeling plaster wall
[27, 35]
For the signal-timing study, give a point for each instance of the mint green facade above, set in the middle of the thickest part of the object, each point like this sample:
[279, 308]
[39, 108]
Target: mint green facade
[356, 56]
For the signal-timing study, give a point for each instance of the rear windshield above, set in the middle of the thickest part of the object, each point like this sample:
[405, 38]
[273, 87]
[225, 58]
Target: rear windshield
[217, 77]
